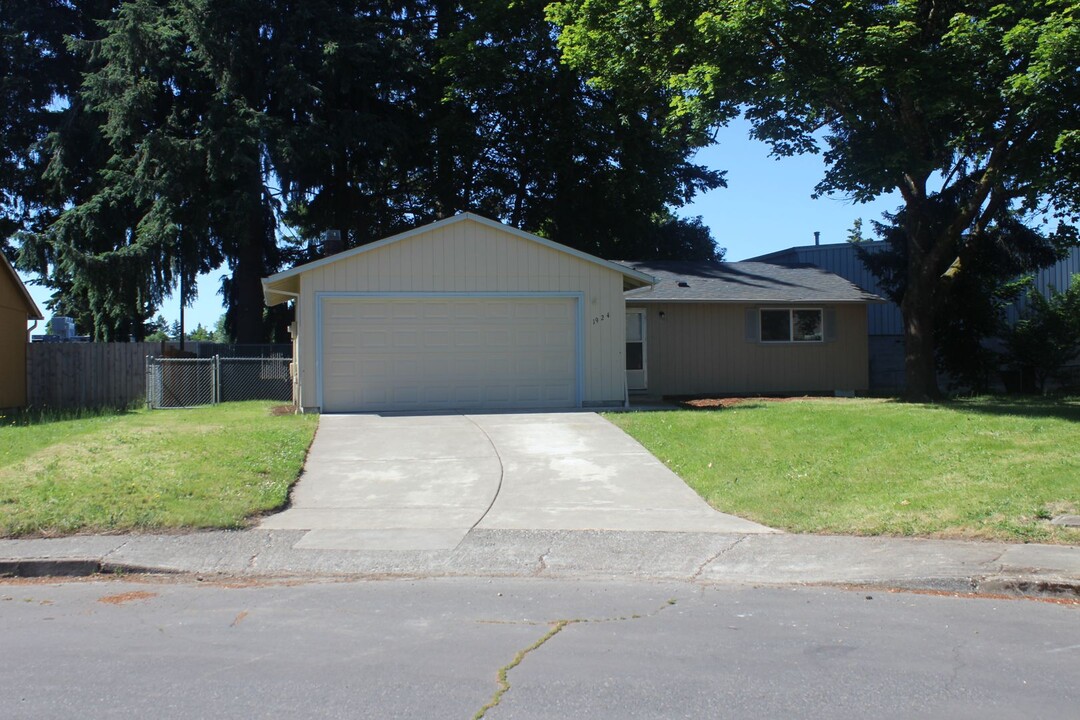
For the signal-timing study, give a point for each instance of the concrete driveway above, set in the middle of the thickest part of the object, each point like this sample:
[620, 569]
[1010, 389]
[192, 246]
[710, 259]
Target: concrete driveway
[411, 482]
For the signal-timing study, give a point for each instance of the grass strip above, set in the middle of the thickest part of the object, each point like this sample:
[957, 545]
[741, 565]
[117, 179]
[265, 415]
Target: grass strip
[985, 468]
[140, 470]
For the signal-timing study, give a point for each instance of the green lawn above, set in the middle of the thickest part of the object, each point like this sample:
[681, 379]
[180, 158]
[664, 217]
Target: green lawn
[984, 468]
[212, 467]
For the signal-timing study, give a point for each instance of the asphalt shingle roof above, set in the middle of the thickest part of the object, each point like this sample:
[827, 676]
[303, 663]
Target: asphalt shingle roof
[740, 282]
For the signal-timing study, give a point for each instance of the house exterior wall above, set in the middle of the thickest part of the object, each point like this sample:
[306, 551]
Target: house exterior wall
[469, 257]
[843, 260]
[12, 344]
[700, 348]
[885, 321]
[885, 318]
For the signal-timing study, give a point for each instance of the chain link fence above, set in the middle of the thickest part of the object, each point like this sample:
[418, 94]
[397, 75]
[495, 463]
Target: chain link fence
[191, 382]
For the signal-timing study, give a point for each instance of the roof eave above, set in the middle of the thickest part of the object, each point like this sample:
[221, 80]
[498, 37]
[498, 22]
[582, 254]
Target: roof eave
[753, 301]
[278, 291]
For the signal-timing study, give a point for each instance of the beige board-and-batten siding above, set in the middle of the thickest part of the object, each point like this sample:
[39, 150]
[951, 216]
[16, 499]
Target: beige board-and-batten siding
[703, 348]
[12, 357]
[473, 257]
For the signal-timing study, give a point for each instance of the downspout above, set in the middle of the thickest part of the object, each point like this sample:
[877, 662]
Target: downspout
[30, 330]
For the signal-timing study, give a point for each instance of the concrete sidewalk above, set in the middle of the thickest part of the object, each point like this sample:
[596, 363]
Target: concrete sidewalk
[761, 559]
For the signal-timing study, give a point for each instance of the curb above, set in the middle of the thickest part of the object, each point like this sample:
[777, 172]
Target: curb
[1016, 585]
[72, 567]
[1029, 586]
[1019, 586]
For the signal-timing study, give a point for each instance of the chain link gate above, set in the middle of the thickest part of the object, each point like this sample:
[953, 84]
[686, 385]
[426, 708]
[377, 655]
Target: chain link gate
[192, 382]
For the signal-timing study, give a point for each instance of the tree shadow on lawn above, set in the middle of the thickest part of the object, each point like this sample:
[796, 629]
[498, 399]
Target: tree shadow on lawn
[1061, 408]
[23, 417]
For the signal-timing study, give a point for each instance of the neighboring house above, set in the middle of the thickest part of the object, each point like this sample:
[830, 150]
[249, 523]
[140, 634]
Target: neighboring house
[467, 313]
[745, 327]
[885, 324]
[462, 313]
[16, 309]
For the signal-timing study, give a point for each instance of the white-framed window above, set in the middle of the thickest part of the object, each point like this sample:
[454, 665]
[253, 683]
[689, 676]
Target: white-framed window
[782, 325]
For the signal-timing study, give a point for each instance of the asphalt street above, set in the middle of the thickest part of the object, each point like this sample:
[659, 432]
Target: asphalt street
[434, 648]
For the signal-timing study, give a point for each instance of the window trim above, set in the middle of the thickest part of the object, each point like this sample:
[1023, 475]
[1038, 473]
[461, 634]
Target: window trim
[791, 325]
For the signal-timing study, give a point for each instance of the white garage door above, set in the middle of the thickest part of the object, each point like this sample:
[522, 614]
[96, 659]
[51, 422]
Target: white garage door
[441, 353]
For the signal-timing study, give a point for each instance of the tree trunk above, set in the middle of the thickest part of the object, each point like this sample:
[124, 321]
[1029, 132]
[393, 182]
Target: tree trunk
[246, 303]
[917, 306]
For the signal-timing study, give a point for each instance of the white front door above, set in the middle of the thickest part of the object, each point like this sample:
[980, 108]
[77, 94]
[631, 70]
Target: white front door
[635, 349]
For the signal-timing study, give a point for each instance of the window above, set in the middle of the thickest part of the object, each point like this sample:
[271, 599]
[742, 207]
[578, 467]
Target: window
[635, 340]
[791, 325]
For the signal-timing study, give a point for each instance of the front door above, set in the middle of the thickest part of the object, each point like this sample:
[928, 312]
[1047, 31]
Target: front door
[635, 349]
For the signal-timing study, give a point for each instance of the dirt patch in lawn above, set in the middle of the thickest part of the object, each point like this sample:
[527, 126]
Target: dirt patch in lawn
[726, 402]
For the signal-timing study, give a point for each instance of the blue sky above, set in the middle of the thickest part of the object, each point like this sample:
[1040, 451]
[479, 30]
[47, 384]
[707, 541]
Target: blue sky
[766, 207]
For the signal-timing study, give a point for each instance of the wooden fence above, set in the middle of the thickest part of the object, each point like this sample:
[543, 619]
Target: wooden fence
[83, 375]
[87, 375]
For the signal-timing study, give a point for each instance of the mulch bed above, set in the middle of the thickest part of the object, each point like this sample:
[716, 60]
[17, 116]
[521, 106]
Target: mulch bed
[726, 402]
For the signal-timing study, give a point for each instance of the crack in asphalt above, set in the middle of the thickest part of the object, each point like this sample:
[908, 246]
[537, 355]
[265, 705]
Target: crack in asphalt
[504, 681]
[713, 558]
[555, 627]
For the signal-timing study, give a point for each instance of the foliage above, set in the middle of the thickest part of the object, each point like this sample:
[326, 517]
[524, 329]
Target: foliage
[148, 470]
[200, 334]
[147, 144]
[984, 468]
[1047, 337]
[966, 107]
[974, 295]
[157, 330]
[220, 334]
[470, 109]
[32, 74]
[54, 139]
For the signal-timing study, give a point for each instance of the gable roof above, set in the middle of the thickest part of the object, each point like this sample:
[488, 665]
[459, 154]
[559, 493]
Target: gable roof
[275, 284]
[743, 282]
[32, 310]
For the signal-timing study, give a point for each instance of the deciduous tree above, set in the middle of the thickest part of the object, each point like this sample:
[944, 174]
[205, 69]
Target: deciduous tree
[976, 100]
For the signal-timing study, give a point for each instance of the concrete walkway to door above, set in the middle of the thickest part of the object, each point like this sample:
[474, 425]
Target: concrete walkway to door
[409, 482]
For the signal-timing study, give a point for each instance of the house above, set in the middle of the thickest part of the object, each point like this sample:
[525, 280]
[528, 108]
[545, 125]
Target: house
[468, 313]
[885, 324]
[464, 313]
[745, 327]
[16, 309]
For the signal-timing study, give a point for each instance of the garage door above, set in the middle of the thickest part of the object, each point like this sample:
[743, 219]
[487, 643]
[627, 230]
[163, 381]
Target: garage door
[441, 353]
